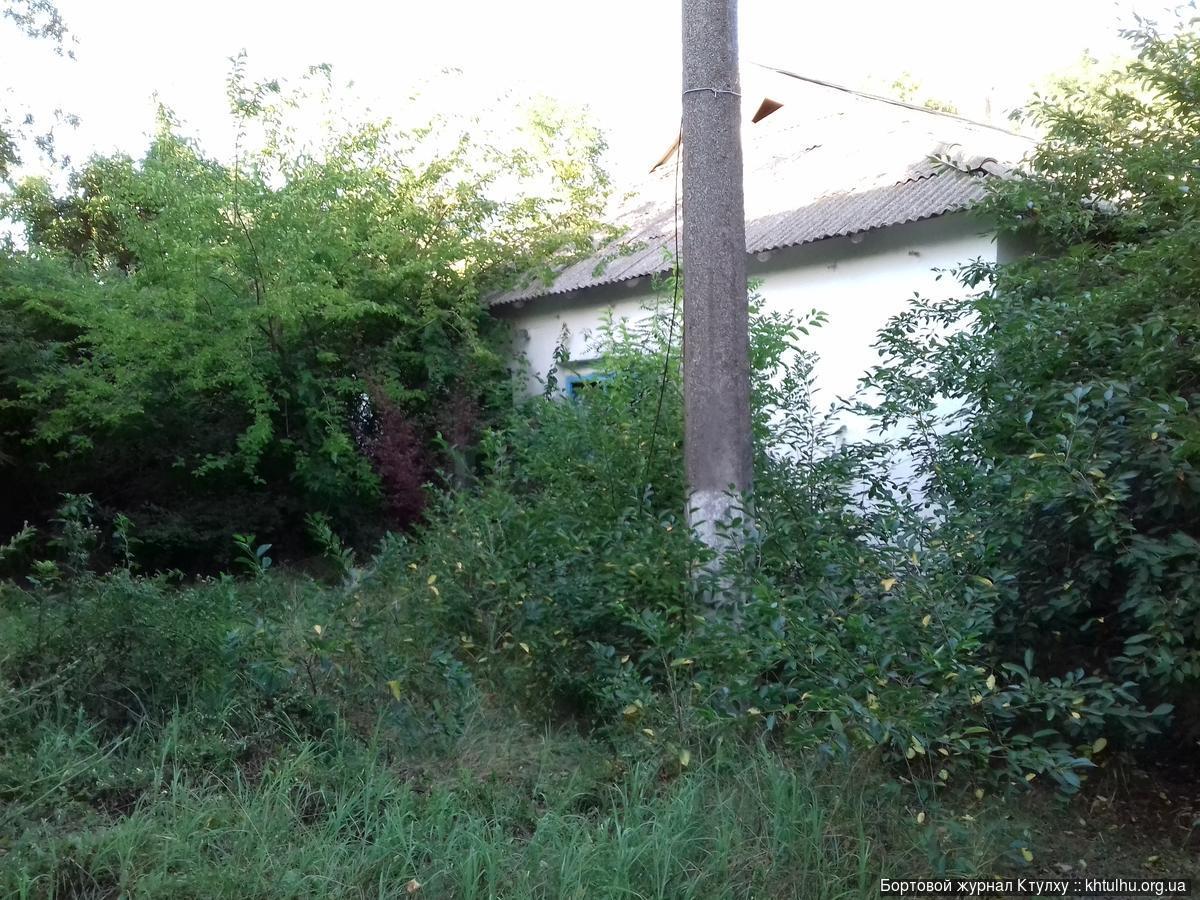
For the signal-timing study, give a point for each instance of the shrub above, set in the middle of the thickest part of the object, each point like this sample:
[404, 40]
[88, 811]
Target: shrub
[568, 577]
[125, 648]
[400, 458]
[192, 342]
[1068, 468]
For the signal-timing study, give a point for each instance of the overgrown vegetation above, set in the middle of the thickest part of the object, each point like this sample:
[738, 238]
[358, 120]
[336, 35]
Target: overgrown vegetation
[206, 347]
[1069, 464]
[519, 695]
[281, 738]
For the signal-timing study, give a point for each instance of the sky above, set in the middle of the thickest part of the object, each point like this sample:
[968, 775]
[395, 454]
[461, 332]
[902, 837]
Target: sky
[619, 58]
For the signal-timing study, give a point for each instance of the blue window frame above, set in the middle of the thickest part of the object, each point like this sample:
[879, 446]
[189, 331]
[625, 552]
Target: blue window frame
[577, 385]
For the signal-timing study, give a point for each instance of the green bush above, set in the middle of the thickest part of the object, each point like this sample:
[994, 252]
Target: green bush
[125, 648]
[1025, 601]
[1068, 470]
[238, 345]
[567, 576]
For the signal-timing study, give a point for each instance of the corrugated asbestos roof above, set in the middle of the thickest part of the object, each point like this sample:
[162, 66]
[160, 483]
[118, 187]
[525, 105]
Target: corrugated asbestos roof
[829, 163]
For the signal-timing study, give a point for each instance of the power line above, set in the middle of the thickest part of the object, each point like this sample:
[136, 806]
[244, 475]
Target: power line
[820, 82]
[662, 385]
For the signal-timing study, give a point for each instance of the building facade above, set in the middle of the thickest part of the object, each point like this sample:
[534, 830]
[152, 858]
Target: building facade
[853, 205]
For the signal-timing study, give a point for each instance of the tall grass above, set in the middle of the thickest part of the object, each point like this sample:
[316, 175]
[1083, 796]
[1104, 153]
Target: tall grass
[497, 811]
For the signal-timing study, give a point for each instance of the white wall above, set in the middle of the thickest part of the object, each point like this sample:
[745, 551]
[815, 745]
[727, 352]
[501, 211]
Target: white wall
[859, 282]
[538, 326]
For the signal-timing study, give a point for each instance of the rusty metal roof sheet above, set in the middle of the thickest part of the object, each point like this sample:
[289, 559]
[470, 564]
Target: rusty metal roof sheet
[828, 164]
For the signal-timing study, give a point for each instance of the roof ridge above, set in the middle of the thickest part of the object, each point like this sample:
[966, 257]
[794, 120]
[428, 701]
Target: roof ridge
[866, 95]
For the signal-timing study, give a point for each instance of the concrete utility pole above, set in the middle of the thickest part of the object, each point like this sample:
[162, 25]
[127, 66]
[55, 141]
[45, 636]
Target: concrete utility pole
[718, 456]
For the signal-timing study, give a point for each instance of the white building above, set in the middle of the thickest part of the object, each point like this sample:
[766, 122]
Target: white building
[852, 205]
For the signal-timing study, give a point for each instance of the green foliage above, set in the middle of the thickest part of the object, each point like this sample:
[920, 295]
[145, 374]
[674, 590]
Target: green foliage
[366, 731]
[124, 543]
[127, 650]
[17, 545]
[75, 533]
[220, 339]
[1027, 598]
[568, 576]
[277, 739]
[39, 19]
[285, 337]
[572, 544]
[121, 648]
[333, 549]
[500, 812]
[251, 559]
[1067, 468]
[908, 89]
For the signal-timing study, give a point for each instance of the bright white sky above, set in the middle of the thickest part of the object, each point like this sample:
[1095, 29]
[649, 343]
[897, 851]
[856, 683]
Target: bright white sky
[619, 57]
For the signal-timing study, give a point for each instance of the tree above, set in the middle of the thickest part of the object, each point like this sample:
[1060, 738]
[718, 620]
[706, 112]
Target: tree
[1070, 469]
[227, 345]
[908, 89]
[39, 20]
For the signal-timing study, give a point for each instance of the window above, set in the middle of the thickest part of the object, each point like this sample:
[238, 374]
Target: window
[580, 385]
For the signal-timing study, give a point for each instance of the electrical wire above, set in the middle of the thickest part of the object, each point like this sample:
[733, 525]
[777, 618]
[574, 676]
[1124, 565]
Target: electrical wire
[662, 385]
[866, 95]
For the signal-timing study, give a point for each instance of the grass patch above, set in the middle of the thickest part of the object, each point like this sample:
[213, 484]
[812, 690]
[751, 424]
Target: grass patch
[269, 758]
[499, 810]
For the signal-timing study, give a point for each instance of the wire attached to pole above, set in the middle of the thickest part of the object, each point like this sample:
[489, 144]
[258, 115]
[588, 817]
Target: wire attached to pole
[662, 385]
[713, 90]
